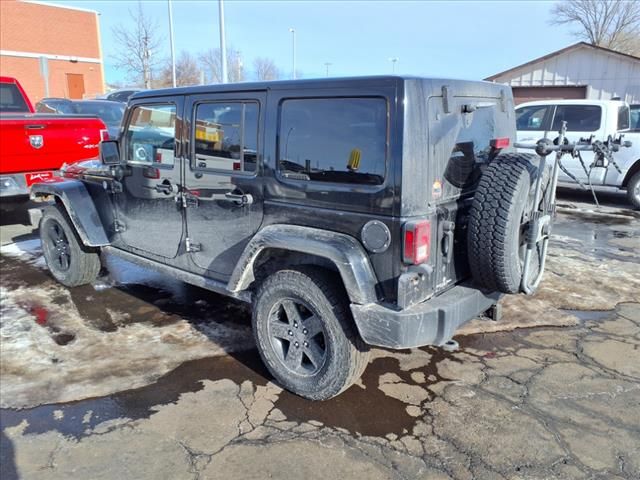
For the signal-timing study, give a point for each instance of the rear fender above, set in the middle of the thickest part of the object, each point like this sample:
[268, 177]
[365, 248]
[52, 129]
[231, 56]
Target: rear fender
[79, 206]
[344, 251]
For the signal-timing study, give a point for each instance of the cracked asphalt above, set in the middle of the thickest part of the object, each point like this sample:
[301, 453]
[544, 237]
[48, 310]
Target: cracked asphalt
[138, 377]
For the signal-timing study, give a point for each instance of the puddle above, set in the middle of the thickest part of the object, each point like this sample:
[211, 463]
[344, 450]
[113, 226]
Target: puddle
[140, 403]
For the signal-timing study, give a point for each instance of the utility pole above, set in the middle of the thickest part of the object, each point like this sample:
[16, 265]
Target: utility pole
[327, 65]
[393, 61]
[293, 51]
[146, 71]
[173, 51]
[223, 45]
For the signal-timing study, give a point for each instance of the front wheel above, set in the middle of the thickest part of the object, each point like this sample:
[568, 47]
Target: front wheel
[305, 333]
[70, 262]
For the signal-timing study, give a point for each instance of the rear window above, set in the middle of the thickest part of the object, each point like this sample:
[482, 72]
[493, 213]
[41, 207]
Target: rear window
[11, 99]
[579, 118]
[531, 118]
[623, 118]
[340, 140]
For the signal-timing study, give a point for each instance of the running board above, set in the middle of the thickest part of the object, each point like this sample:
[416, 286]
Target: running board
[187, 277]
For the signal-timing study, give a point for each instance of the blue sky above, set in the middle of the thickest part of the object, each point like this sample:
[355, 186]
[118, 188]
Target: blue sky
[469, 40]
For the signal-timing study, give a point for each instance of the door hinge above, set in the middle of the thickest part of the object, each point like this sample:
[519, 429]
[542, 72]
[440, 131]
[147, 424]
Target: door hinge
[192, 247]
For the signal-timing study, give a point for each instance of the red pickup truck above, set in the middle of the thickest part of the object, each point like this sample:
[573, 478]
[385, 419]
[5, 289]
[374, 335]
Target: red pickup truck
[34, 146]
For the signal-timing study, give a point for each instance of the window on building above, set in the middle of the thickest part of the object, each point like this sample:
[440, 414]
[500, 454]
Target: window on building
[11, 99]
[623, 118]
[531, 118]
[579, 118]
[226, 136]
[151, 135]
[339, 140]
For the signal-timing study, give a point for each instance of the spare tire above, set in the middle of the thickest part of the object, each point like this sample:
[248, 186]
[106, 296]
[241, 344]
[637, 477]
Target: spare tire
[499, 220]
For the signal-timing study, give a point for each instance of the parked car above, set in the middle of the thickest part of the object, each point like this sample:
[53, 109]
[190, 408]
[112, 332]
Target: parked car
[380, 211]
[121, 96]
[34, 146]
[585, 118]
[109, 112]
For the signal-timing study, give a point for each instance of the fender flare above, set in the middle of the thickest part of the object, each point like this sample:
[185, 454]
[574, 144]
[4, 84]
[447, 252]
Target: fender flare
[80, 208]
[344, 251]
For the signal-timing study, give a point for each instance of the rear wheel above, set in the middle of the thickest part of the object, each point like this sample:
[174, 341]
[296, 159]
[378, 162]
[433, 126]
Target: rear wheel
[70, 262]
[305, 333]
[633, 190]
[499, 222]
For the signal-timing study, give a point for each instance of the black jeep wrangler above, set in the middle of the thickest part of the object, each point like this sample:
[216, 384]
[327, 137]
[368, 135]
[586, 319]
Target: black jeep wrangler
[351, 212]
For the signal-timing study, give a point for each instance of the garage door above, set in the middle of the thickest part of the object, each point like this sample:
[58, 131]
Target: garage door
[528, 94]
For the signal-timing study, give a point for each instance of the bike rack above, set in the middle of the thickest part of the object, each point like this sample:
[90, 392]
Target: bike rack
[540, 223]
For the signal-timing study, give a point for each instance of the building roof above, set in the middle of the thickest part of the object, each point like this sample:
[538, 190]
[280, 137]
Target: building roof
[575, 46]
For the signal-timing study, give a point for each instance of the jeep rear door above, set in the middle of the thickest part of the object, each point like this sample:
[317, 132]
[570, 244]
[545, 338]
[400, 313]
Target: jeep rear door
[223, 189]
[149, 214]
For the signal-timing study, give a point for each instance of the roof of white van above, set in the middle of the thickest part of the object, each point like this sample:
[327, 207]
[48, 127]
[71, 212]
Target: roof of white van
[601, 103]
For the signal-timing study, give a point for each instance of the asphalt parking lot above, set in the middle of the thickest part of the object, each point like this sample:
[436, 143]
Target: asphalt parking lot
[139, 376]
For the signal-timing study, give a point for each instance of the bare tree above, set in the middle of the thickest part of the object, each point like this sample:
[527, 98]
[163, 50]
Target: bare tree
[211, 60]
[265, 69]
[613, 24]
[187, 72]
[137, 47]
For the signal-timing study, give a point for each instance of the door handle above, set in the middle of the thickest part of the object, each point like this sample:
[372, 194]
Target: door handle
[34, 127]
[239, 198]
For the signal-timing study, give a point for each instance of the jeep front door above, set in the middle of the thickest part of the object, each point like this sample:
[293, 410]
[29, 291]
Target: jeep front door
[148, 209]
[222, 178]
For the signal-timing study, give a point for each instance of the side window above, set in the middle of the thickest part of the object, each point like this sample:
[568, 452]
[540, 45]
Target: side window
[226, 136]
[339, 140]
[531, 118]
[635, 117]
[623, 118]
[151, 135]
[579, 118]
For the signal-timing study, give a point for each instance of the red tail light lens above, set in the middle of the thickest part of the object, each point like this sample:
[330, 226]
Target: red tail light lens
[104, 135]
[417, 242]
[500, 142]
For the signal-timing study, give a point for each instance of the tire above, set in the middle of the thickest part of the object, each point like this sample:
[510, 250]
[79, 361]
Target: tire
[307, 307]
[498, 221]
[68, 260]
[633, 190]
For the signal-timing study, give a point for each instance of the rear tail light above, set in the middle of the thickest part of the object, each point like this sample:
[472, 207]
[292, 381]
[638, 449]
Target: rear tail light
[417, 242]
[104, 135]
[236, 166]
[500, 143]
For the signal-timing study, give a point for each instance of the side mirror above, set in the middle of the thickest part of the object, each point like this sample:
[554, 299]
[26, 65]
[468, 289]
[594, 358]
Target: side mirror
[109, 152]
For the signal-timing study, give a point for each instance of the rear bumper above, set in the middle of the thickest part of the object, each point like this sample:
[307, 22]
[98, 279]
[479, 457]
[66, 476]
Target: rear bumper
[432, 322]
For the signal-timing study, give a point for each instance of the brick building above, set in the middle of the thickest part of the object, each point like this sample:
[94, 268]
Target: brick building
[67, 37]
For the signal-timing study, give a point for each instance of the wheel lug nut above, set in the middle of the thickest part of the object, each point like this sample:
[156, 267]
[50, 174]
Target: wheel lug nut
[290, 333]
[306, 344]
[305, 331]
[295, 324]
[297, 344]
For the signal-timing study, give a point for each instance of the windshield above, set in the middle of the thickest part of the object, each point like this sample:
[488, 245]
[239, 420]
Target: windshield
[109, 113]
[11, 99]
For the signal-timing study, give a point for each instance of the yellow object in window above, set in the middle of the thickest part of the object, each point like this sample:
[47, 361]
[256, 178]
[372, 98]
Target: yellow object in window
[354, 160]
